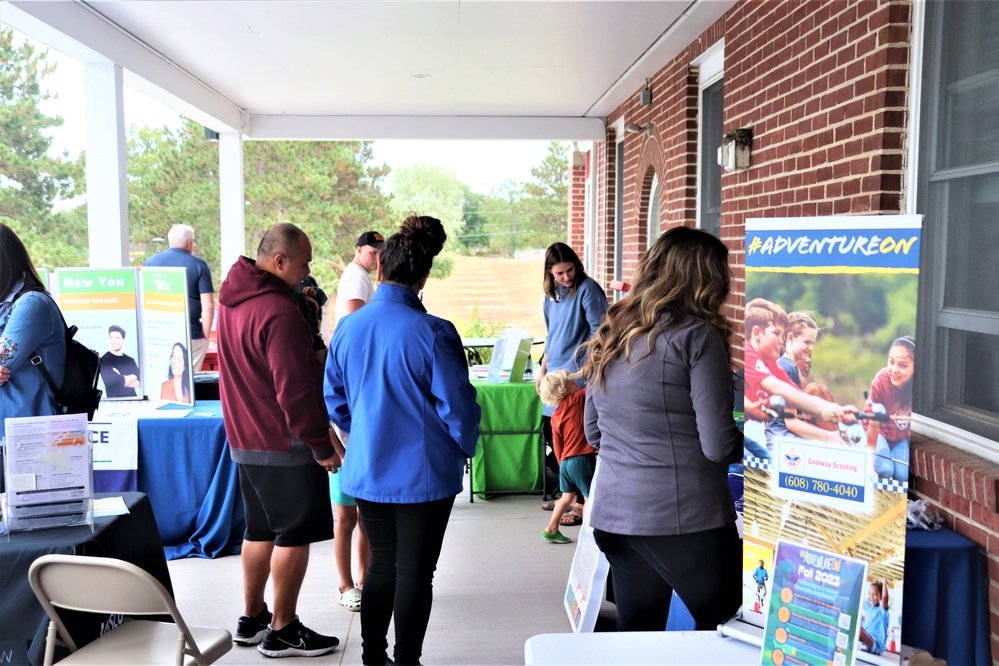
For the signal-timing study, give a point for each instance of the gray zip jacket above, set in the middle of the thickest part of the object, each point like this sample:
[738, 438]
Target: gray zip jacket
[666, 435]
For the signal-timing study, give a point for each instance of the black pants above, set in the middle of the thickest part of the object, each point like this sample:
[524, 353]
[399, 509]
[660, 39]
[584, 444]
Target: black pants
[703, 568]
[405, 542]
[550, 472]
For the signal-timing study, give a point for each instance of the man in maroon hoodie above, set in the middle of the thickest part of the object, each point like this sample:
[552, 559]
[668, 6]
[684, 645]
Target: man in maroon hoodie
[272, 404]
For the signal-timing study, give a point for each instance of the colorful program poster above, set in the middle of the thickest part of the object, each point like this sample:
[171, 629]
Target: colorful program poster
[101, 302]
[815, 615]
[831, 316]
[167, 335]
[587, 575]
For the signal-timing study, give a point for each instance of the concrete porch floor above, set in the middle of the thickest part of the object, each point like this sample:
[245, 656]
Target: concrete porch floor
[497, 584]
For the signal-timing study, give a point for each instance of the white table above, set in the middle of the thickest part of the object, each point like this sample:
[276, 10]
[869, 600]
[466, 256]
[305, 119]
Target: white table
[694, 648]
[740, 647]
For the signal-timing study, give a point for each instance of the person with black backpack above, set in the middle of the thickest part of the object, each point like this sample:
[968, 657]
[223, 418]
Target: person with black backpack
[30, 325]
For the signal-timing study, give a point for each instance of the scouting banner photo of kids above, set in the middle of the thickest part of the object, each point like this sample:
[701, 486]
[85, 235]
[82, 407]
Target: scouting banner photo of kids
[829, 359]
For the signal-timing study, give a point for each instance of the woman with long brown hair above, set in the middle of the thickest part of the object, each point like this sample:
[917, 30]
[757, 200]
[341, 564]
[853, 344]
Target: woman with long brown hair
[30, 323]
[659, 406]
[574, 306]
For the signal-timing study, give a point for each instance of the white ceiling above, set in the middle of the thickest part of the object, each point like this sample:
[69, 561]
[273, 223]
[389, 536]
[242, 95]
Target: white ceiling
[331, 69]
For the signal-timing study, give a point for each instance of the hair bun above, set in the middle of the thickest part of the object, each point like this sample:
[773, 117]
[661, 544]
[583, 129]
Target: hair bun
[424, 234]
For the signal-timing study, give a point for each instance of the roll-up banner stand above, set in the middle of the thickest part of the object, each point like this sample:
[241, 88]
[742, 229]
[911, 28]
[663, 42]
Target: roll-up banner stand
[830, 321]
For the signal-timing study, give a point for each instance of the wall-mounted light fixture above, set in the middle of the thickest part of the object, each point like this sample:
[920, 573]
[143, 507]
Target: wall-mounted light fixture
[645, 97]
[639, 129]
[735, 151]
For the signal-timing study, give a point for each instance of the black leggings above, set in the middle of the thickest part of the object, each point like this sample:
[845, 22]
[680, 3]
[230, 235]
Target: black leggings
[703, 568]
[405, 542]
[549, 473]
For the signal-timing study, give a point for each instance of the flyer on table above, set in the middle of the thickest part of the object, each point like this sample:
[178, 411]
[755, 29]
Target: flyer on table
[101, 303]
[48, 459]
[167, 335]
[814, 617]
[830, 326]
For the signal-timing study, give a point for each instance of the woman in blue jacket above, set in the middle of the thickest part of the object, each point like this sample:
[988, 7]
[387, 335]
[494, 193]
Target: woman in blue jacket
[397, 386]
[30, 322]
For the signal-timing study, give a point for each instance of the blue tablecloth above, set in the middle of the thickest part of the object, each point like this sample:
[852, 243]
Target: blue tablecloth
[944, 605]
[185, 469]
[945, 609]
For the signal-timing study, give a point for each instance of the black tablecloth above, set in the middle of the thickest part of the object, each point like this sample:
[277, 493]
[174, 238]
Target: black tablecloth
[133, 538]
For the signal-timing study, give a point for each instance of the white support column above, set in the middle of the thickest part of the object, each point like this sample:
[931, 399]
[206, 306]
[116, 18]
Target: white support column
[107, 185]
[231, 199]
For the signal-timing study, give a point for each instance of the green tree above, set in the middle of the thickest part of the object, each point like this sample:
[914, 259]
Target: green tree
[545, 204]
[474, 222]
[522, 216]
[326, 188]
[32, 180]
[428, 189]
[172, 179]
[504, 221]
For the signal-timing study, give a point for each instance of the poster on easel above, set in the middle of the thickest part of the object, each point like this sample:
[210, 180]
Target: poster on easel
[101, 303]
[815, 614]
[588, 574]
[829, 360]
[166, 335]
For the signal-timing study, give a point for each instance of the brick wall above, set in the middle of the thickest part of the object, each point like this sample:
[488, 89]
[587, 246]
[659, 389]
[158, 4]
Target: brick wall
[824, 87]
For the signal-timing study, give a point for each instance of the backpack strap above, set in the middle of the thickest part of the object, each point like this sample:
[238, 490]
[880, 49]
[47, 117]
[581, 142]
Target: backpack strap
[36, 360]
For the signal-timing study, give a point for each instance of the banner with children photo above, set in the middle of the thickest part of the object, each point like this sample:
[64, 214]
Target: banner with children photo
[829, 358]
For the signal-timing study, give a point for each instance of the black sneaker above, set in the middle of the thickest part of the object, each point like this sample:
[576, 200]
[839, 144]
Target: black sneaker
[296, 640]
[250, 630]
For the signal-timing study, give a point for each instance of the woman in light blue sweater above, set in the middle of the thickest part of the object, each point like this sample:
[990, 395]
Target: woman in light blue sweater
[659, 406]
[574, 306]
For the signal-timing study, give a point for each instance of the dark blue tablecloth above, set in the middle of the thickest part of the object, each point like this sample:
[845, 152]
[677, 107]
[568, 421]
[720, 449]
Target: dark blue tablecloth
[185, 469]
[945, 610]
[944, 605]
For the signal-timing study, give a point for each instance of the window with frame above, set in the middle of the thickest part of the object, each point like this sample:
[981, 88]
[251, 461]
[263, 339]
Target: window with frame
[711, 126]
[618, 213]
[958, 193]
[653, 225]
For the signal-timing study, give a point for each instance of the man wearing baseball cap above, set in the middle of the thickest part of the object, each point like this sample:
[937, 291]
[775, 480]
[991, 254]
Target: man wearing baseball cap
[354, 291]
[355, 284]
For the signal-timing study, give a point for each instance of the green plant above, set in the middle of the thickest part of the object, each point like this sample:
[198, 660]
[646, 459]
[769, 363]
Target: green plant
[475, 327]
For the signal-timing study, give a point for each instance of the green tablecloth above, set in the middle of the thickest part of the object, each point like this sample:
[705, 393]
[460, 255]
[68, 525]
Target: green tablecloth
[508, 455]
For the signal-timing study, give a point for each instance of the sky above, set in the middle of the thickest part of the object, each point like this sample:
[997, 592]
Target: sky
[482, 165]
